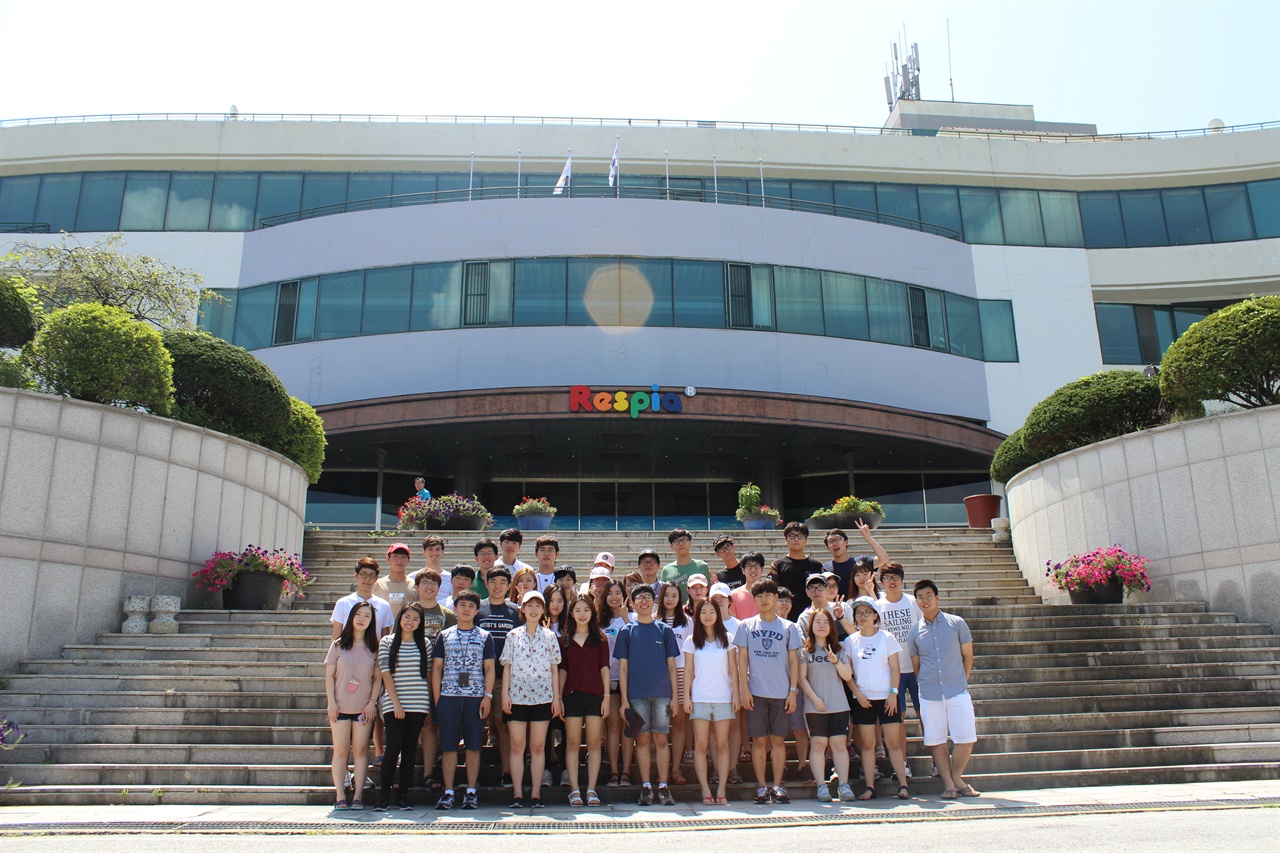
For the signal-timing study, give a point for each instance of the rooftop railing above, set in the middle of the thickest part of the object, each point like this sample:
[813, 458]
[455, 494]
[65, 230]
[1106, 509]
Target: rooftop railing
[699, 124]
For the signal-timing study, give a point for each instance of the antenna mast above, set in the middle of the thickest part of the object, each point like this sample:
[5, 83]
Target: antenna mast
[902, 83]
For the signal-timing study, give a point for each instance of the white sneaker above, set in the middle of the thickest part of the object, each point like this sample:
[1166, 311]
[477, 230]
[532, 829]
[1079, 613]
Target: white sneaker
[349, 780]
[908, 769]
[564, 778]
[546, 779]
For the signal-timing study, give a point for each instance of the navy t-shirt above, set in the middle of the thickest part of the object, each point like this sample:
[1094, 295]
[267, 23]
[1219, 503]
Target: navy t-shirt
[844, 569]
[499, 620]
[645, 647]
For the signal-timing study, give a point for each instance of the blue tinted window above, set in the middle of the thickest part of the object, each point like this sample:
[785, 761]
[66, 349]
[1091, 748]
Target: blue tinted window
[453, 181]
[698, 288]
[1184, 317]
[964, 328]
[1118, 334]
[101, 195]
[190, 195]
[593, 291]
[1060, 212]
[762, 296]
[890, 321]
[279, 192]
[500, 293]
[732, 190]
[437, 296]
[798, 300]
[940, 206]
[937, 320]
[1165, 334]
[1100, 219]
[18, 198]
[323, 188]
[1264, 199]
[1185, 216]
[304, 328]
[855, 196]
[368, 185]
[999, 343]
[145, 197]
[897, 200]
[980, 210]
[646, 292]
[1228, 213]
[255, 316]
[413, 182]
[1143, 218]
[778, 192]
[1020, 212]
[540, 292]
[386, 300]
[234, 197]
[844, 303]
[217, 314]
[338, 305]
[59, 195]
[818, 192]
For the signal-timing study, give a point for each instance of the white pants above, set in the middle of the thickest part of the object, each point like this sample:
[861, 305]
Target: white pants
[954, 717]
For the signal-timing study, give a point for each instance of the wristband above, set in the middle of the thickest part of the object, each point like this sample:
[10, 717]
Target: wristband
[893, 691]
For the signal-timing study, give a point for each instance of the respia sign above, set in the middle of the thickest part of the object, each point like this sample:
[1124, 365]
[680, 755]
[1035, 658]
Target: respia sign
[583, 399]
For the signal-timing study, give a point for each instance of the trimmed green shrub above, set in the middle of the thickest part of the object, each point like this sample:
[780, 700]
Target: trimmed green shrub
[302, 440]
[100, 354]
[1012, 457]
[224, 387]
[17, 317]
[1233, 355]
[1097, 407]
[14, 374]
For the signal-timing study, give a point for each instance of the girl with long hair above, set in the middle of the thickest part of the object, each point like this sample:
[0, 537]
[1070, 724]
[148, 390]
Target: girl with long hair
[521, 582]
[585, 686]
[710, 696]
[825, 668]
[670, 609]
[612, 615]
[351, 691]
[405, 664]
[530, 694]
[558, 600]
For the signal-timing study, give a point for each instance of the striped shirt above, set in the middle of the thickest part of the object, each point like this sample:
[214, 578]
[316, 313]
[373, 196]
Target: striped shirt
[413, 691]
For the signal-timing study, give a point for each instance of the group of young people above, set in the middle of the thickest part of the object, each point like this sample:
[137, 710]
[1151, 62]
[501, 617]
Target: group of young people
[526, 657]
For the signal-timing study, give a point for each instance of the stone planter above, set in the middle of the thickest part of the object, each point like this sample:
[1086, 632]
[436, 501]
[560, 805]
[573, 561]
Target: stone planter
[136, 608]
[844, 520]
[253, 590]
[981, 509]
[535, 519]
[1111, 592]
[164, 608]
[466, 522]
[755, 521]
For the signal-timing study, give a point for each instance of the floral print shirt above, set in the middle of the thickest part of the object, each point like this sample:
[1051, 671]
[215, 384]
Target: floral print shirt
[531, 657]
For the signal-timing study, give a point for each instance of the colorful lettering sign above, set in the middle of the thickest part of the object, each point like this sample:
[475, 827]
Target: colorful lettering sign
[584, 399]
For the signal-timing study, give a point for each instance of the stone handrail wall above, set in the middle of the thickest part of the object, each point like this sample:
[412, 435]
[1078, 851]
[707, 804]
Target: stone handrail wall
[98, 502]
[1201, 499]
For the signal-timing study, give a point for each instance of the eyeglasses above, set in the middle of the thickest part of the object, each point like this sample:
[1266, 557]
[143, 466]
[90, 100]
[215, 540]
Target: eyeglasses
[367, 575]
[796, 536]
[682, 539]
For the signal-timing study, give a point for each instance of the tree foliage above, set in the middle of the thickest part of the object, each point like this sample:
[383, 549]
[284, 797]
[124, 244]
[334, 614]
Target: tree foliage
[101, 354]
[14, 373]
[1233, 355]
[302, 440]
[66, 273]
[224, 387]
[1094, 408]
[1012, 457]
[18, 312]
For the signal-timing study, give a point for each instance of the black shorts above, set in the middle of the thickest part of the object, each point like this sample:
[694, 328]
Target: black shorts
[828, 725]
[875, 714]
[580, 703]
[529, 713]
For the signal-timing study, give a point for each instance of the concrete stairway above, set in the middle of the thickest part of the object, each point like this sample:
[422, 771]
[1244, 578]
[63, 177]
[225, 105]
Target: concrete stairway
[231, 709]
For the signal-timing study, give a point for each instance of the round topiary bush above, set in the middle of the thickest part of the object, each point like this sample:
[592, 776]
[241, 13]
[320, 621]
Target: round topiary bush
[1097, 407]
[17, 319]
[1012, 457]
[224, 387]
[14, 373]
[1233, 355]
[101, 354]
[302, 440]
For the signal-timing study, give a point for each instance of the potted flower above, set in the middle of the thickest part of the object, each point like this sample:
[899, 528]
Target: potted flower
[413, 514]
[1101, 576]
[846, 513]
[754, 514]
[463, 513]
[254, 579]
[534, 513]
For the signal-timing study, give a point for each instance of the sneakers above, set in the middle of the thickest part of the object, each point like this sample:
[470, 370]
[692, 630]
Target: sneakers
[780, 794]
[506, 780]
[762, 796]
[445, 802]
[402, 803]
[517, 803]
[348, 781]
[824, 794]
[537, 803]
[846, 794]
[907, 767]
[546, 779]
[805, 774]
[382, 806]
[564, 778]
[735, 778]
[664, 796]
[646, 796]
[470, 800]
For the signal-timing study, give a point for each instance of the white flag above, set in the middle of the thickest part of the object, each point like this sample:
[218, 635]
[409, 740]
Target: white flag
[566, 176]
[613, 166]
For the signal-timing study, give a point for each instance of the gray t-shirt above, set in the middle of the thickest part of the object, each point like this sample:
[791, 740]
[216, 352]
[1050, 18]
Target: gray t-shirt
[937, 644]
[825, 681]
[767, 644]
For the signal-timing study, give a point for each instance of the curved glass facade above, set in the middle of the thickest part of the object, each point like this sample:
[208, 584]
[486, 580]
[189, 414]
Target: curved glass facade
[240, 201]
[1140, 334]
[614, 291]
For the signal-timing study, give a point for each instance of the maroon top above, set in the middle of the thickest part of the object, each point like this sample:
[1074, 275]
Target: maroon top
[583, 664]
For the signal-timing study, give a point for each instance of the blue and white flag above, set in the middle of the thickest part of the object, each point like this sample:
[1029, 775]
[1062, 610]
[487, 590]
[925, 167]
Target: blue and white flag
[613, 166]
[566, 176]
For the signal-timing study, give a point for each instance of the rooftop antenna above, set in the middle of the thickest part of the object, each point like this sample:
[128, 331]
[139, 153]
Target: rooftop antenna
[902, 83]
[950, 79]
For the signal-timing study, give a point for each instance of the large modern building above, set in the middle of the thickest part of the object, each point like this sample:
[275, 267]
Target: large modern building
[822, 310]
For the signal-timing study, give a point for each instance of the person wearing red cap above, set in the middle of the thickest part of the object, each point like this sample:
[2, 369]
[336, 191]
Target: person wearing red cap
[396, 589]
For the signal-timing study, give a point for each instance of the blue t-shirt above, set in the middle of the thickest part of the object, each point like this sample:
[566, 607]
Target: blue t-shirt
[646, 647]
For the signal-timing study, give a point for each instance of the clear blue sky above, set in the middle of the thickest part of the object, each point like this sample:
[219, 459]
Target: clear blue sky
[1125, 66]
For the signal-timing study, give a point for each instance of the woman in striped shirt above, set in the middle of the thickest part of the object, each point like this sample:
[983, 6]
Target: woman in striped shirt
[405, 665]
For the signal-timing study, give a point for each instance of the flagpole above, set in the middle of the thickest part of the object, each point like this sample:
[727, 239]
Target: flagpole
[617, 175]
[519, 158]
[569, 179]
[762, 183]
[667, 185]
[471, 176]
[715, 180]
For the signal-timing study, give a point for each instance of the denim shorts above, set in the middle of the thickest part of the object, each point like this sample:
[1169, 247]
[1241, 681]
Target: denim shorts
[656, 712]
[713, 711]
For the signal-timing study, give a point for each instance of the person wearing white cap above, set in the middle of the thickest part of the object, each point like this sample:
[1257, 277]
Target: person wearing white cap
[720, 594]
[596, 582]
[530, 694]
[875, 690]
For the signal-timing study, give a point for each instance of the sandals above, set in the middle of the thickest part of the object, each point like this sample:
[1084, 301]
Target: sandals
[709, 801]
[677, 778]
[341, 806]
[904, 793]
[593, 799]
[575, 798]
[867, 794]
[721, 801]
[625, 780]
[950, 794]
[968, 791]
[613, 781]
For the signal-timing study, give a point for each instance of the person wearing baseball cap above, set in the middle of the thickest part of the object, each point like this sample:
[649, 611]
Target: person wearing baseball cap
[698, 587]
[530, 694]
[396, 589]
[596, 582]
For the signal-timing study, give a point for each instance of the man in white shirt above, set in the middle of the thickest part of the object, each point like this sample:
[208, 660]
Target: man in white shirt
[546, 549]
[509, 542]
[366, 576]
[432, 554]
[898, 612]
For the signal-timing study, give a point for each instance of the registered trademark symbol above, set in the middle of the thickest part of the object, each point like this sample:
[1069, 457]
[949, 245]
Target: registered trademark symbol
[690, 391]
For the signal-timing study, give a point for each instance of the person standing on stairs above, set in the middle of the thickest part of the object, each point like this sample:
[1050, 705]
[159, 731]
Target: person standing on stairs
[351, 693]
[405, 666]
[367, 570]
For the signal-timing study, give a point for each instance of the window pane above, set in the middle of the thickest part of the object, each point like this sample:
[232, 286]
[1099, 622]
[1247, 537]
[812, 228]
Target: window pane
[190, 194]
[1020, 211]
[101, 195]
[304, 329]
[818, 192]
[940, 206]
[1184, 317]
[856, 196]
[646, 292]
[964, 329]
[218, 316]
[594, 291]
[762, 296]
[980, 210]
[897, 200]
[1143, 218]
[437, 296]
[386, 300]
[699, 294]
[778, 192]
[1061, 214]
[999, 343]
[1264, 198]
[937, 320]
[286, 311]
[1228, 213]
[1164, 330]
[338, 305]
[457, 181]
[1100, 218]
[798, 300]
[145, 197]
[255, 316]
[413, 182]
[889, 320]
[1186, 217]
[732, 190]
[323, 188]
[500, 294]
[234, 197]
[18, 198]
[1118, 334]
[844, 304]
[369, 185]
[279, 192]
[540, 292]
[59, 195]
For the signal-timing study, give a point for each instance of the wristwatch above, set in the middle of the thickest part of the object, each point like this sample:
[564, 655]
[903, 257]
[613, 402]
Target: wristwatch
[893, 690]
[490, 695]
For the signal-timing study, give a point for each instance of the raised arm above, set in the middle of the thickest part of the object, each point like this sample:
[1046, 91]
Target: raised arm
[882, 556]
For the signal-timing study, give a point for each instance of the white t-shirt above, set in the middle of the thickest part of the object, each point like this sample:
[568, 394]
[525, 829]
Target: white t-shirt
[731, 627]
[871, 662]
[897, 617]
[445, 577]
[712, 681]
[682, 633]
[545, 582]
[381, 611]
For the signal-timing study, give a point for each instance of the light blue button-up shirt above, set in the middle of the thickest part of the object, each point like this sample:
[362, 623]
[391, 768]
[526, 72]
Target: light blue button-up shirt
[937, 644]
